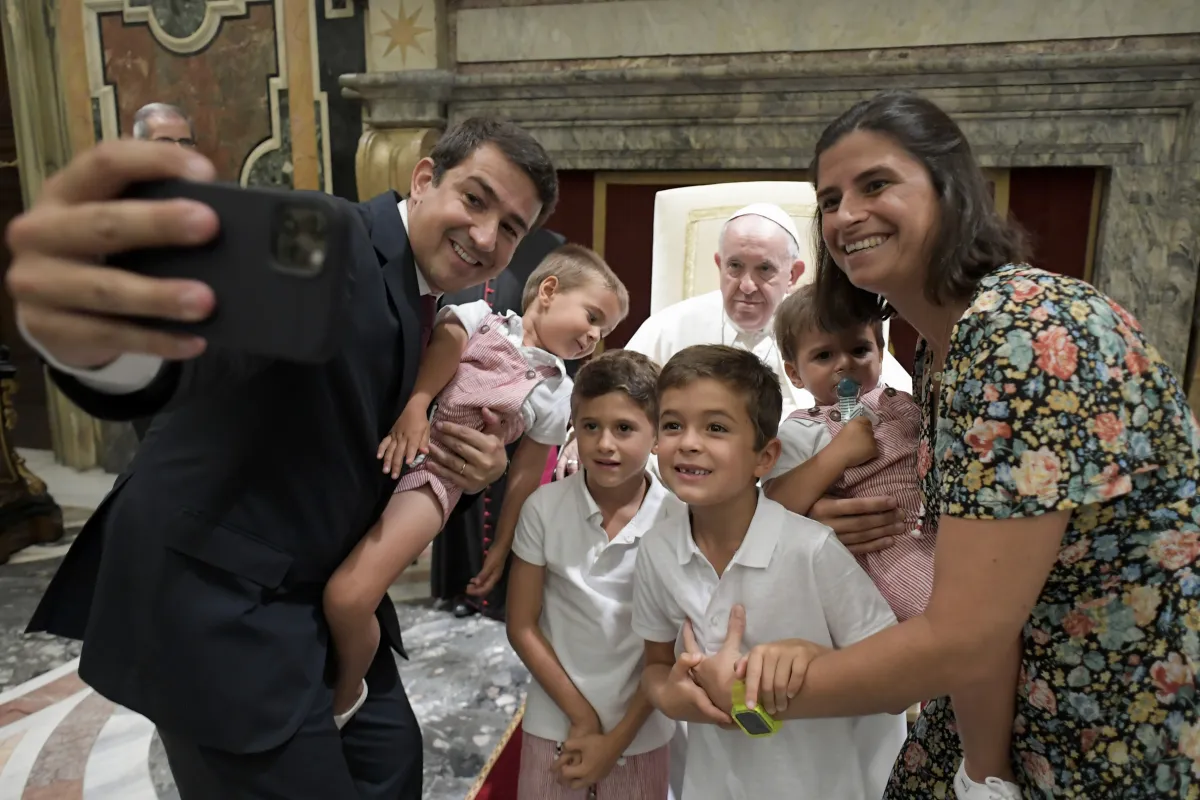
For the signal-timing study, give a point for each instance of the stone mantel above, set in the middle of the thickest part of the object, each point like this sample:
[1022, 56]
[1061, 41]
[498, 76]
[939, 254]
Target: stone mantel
[1096, 102]
[1131, 105]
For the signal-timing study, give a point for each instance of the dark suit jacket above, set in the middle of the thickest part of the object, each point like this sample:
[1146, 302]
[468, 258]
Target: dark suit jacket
[196, 586]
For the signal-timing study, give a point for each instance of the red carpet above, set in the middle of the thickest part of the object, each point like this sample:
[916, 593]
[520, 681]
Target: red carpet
[498, 779]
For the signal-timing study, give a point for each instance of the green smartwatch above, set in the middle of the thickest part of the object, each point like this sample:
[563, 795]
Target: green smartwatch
[754, 722]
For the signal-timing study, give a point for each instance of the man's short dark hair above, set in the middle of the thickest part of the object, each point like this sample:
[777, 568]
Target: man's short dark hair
[623, 371]
[742, 372]
[518, 146]
[800, 314]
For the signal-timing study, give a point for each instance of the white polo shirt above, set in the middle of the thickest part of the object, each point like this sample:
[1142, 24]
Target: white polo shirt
[587, 604]
[795, 580]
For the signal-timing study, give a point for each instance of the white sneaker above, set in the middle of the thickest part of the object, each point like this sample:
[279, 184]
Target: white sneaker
[990, 789]
[341, 719]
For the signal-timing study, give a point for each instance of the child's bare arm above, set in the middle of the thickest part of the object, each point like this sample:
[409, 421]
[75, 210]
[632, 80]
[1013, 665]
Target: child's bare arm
[447, 342]
[984, 712]
[635, 717]
[524, 607]
[798, 489]
[524, 475]
[410, 432]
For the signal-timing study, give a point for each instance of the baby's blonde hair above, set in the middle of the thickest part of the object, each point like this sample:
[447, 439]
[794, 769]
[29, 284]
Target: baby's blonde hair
[574, 265]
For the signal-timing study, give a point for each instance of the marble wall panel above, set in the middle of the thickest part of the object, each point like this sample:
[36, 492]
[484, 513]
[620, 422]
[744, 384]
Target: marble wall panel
[636, 28]
[223, 87]
[341, 49]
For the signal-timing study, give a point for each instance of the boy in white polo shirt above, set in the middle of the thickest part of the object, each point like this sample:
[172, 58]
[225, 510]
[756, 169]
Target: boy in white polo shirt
[719, 411]
[570, 599]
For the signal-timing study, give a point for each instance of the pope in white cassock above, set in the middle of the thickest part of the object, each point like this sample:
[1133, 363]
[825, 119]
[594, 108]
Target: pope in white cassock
[758, 257]
[759, 260]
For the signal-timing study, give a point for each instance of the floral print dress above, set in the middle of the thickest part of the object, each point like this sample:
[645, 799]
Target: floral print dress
[1051, 399]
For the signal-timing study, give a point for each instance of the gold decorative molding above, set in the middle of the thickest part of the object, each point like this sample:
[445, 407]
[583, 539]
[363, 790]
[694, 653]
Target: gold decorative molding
[497, 751]
[402, 35]
[298, 27]
[386, 158]
[1099, 186]
[1000, 179]
[42, 85]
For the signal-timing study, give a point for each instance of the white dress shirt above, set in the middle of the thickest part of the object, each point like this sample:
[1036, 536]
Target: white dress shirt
[131, 372]
[702, 320]
[587, 604]
[795, 580]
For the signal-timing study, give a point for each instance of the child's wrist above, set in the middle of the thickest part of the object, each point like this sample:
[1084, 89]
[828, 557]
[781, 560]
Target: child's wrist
[419, 401]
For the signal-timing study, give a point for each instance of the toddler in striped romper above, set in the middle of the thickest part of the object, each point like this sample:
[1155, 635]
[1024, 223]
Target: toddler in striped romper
[874, 454]
[476, 359]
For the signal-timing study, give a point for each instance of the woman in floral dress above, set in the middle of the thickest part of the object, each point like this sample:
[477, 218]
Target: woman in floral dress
[1059, 462]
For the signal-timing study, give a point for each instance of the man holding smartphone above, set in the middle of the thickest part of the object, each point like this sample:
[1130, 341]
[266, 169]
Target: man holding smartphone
[196, 586]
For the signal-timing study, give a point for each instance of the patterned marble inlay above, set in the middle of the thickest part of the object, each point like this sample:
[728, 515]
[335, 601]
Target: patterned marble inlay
[223, 87]
[274, 168]
[178, 18]
[58, 739]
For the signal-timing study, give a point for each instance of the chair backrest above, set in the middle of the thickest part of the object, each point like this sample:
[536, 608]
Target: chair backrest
[688, 220]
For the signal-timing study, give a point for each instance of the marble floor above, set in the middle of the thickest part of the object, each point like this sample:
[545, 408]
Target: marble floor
[59, 739]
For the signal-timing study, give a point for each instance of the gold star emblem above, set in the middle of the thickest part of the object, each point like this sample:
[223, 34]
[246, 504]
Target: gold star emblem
[402, 32]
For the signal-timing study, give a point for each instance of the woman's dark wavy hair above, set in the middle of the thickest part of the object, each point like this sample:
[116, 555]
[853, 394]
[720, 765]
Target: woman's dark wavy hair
[972, 239]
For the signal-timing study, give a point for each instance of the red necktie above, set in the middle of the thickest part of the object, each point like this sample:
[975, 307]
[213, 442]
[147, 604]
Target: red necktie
[428, 311]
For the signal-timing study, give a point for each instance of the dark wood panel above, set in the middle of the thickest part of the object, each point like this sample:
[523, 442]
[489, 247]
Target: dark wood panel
[629, 248]
[33, 420]
[1054, 206]
[576, 200]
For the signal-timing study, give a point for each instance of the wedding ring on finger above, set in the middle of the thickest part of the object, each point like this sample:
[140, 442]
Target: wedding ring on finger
[463, 468]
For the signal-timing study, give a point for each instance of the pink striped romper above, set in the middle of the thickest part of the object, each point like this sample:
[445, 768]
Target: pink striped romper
[903, 573]
[493, 373]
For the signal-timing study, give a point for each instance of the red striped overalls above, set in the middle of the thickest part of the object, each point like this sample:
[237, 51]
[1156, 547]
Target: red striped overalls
[903, 573]
[492, 374]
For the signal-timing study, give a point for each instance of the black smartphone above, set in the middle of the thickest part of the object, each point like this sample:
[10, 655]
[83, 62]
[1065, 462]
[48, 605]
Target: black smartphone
[278, 267]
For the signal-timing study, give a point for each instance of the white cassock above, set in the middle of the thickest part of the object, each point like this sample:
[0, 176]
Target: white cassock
[702, 320]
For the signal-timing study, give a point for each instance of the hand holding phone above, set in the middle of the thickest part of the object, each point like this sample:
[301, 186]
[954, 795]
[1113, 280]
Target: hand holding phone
[188, 262]
[80, 312]
[278, 267]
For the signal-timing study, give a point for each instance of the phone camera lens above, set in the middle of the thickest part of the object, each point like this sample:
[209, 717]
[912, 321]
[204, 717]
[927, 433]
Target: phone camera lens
[300, 245]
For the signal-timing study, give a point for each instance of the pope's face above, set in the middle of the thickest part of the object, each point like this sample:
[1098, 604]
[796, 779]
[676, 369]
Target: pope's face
[754, 257]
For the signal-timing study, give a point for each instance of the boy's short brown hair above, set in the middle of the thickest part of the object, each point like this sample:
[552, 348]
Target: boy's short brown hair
[799, 314]
[619, 371]
[574, 266]
[740, 371]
